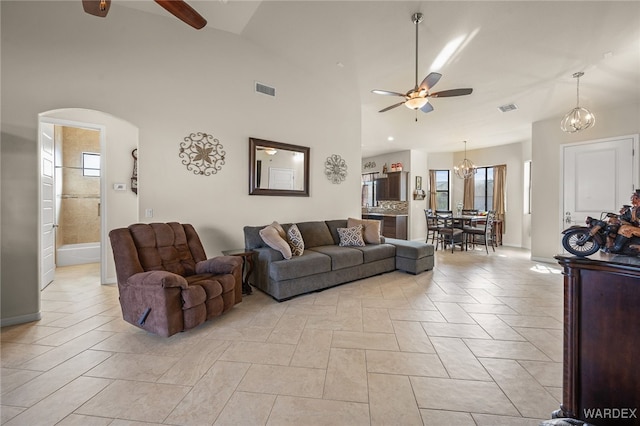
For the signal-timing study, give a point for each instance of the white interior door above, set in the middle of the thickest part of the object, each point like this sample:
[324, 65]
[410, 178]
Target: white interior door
[47, 205]
[598, 176]
[280, 178]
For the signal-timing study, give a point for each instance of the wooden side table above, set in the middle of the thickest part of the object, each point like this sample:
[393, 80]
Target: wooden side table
[247, 266]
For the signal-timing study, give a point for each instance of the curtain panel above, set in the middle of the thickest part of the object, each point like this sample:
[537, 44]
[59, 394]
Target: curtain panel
[499, 193]
[469, 193]
[432, 189]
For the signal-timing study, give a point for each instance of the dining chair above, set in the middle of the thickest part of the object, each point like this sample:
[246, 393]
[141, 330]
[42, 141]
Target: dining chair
[432, 226]
[448, 233]
[482, 232]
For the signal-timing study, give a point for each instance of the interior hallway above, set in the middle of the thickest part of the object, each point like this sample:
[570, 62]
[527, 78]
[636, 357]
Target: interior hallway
[476, 341]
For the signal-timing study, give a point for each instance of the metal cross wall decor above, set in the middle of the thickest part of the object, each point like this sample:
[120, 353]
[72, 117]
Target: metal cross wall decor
[202, 154]
[335, 168]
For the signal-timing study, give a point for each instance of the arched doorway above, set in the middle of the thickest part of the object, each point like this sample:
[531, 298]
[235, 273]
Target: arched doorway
[118, 205]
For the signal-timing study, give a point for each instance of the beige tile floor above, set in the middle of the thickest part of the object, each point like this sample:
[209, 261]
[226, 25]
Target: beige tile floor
[476, 341]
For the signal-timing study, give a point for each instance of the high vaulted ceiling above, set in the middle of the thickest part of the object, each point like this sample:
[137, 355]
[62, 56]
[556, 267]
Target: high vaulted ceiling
[521, 52]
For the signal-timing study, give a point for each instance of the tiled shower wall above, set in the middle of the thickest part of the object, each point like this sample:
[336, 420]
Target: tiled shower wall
[78, 195]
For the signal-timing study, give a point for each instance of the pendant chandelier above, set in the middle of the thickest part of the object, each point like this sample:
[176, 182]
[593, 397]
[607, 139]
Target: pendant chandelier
[465, 169]
[578, 118]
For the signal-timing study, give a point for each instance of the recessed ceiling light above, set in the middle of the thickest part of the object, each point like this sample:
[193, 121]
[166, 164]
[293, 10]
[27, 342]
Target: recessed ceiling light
[390, 138]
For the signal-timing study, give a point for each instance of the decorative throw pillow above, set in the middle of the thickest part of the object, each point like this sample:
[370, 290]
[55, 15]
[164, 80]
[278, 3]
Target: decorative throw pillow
[280, 230]
[295, 240]
[273, 239]
[370, 229]
[351, 236]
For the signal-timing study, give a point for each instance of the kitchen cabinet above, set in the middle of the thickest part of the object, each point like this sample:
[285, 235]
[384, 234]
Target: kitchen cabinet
[381, 189]
[392, 226]
[394, 187]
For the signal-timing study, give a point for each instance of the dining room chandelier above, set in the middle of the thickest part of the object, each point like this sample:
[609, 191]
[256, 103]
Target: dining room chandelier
[465, 169]
[578, 118]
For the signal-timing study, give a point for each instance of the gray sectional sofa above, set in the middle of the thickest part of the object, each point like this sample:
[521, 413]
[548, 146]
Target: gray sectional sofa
[325, 264]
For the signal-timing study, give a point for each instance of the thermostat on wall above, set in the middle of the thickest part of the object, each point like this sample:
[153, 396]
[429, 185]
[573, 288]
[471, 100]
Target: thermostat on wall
[120, 186]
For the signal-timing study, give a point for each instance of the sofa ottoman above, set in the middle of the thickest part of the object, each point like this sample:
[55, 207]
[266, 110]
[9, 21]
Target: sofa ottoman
[412, 256]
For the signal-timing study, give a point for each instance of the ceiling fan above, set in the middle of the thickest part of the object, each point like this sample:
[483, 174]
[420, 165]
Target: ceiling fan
[418, 97]
[177, 8]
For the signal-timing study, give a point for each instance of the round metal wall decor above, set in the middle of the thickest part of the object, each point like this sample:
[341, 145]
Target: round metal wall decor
[202, 154]
[335, 168]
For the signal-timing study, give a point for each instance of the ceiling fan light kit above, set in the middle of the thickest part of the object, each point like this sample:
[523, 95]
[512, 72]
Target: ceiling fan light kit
[416, 103]
[418, 97]
[465, 169]
[579, 118]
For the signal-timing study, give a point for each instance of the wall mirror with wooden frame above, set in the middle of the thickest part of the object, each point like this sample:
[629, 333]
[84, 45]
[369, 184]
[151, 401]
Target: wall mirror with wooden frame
[277, 168]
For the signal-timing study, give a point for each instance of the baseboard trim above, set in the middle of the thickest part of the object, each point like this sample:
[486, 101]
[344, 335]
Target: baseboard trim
[543, 259]
[21, 319]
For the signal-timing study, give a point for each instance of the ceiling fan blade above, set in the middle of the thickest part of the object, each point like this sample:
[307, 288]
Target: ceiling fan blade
[427, 107]
[388, 93]
[96, 7]
[184, 12]
[430, 81]
[391, 107]
[452, 92]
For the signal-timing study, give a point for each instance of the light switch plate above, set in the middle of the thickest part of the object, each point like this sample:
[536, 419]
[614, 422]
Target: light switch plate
[120, 186]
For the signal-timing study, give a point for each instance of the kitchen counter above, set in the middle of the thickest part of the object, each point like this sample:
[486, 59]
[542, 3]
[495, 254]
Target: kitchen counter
[390, 214]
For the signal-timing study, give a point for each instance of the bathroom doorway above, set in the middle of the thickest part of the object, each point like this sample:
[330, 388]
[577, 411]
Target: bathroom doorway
[118, 203]
[77, 176]
[70, 197]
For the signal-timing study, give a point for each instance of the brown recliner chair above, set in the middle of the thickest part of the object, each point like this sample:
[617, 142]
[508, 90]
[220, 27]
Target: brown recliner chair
[165, 280]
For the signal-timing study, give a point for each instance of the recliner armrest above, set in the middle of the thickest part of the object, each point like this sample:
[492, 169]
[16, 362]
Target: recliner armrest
[163, 279]
[219, 265]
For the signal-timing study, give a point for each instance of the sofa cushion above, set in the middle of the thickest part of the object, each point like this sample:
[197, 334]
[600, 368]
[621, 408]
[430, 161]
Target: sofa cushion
[370, 229]
[333, 226]
[163, 247]
[310, 263]
[341, 257]
[315, 234]
[211, 286]
[351, 236]
[374, 252]
[411, 249]
[271, 236]
[295, 240]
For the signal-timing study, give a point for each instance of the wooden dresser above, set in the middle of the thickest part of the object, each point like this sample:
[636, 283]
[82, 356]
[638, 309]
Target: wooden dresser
[601, 376]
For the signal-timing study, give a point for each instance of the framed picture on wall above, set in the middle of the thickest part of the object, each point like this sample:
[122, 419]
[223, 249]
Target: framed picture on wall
[418, 182]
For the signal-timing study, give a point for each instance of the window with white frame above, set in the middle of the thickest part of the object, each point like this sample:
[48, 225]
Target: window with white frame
[90, 164]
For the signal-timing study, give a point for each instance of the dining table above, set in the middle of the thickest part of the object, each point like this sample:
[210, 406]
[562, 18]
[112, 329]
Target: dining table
[462, 220]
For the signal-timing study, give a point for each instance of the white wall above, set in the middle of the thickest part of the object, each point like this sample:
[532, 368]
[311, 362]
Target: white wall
[417, 219]
[547, 139]
[167, 80]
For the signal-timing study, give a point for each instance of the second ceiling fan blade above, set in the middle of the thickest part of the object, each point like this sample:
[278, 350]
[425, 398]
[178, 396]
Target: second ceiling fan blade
[387, 93]
[391, 107]
[430, 81]
[452, 92]
[427, 107]
[184, 12]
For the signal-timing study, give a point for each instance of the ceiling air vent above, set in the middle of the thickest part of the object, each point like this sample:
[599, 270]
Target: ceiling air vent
[264, 89]
[508, 107]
